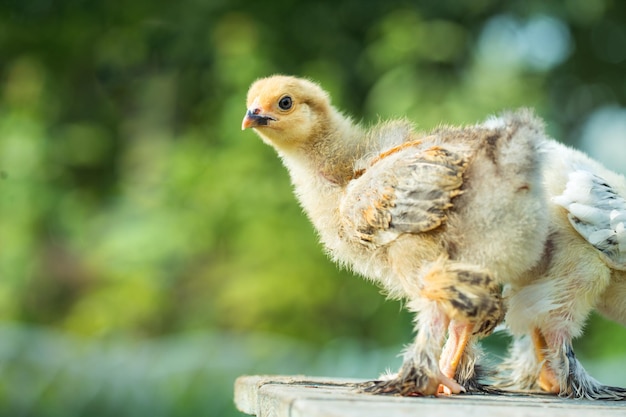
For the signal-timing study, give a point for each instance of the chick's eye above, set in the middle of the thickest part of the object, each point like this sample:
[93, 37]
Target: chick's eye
[285, 103]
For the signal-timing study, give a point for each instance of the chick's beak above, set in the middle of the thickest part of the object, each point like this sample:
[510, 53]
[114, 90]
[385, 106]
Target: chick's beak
[255, 118]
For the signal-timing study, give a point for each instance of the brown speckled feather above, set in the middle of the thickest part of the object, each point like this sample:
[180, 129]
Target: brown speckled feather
[409, 191]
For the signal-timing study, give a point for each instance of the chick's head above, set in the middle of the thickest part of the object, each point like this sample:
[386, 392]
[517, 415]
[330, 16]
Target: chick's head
[286, 111]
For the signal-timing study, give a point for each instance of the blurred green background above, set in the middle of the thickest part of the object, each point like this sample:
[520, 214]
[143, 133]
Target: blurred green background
[151, 251]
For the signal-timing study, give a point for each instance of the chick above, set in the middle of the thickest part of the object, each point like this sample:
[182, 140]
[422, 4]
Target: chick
[440, 219]
[583, 267]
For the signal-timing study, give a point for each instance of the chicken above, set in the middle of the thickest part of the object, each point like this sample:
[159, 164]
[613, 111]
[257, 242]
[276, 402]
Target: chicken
[583, 268]
[443, 220]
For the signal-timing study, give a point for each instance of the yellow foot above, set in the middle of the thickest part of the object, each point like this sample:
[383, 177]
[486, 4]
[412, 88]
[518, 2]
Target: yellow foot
[458, 337]
[547, 378]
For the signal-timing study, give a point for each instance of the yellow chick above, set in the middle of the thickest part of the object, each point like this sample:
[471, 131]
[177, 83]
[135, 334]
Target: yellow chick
[441, 219]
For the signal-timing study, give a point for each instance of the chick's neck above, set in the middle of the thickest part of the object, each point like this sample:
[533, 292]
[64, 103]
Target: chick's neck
[321, 168]
[332, 155]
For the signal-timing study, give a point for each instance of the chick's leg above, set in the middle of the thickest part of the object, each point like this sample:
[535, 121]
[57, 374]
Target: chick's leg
[547, 380]
[461, 296]
[426, 350]
[564, 375]
[471, 298]
[458, 337]
[420, 373]
[572, 296]
[547, 312]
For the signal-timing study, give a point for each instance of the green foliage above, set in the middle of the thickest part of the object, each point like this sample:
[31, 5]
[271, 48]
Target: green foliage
[132, 206]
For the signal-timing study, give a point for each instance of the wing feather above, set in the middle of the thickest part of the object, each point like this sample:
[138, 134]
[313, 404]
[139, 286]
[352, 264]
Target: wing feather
[409, 191]
[598, 213]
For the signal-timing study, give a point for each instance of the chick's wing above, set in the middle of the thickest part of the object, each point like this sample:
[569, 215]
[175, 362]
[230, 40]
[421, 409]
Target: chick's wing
[598, 213]
[409, 191]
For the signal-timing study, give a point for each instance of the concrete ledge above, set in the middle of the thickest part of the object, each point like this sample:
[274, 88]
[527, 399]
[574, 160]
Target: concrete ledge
[301, 396]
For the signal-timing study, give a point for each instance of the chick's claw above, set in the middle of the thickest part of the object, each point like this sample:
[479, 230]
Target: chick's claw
[449, 386]
[410, 382]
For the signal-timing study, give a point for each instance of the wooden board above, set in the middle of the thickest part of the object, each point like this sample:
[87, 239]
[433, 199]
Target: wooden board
[300, 396]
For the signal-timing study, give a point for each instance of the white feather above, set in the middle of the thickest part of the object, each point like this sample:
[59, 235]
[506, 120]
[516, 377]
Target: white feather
[588, 214]
[598, 213]
[617, 217]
